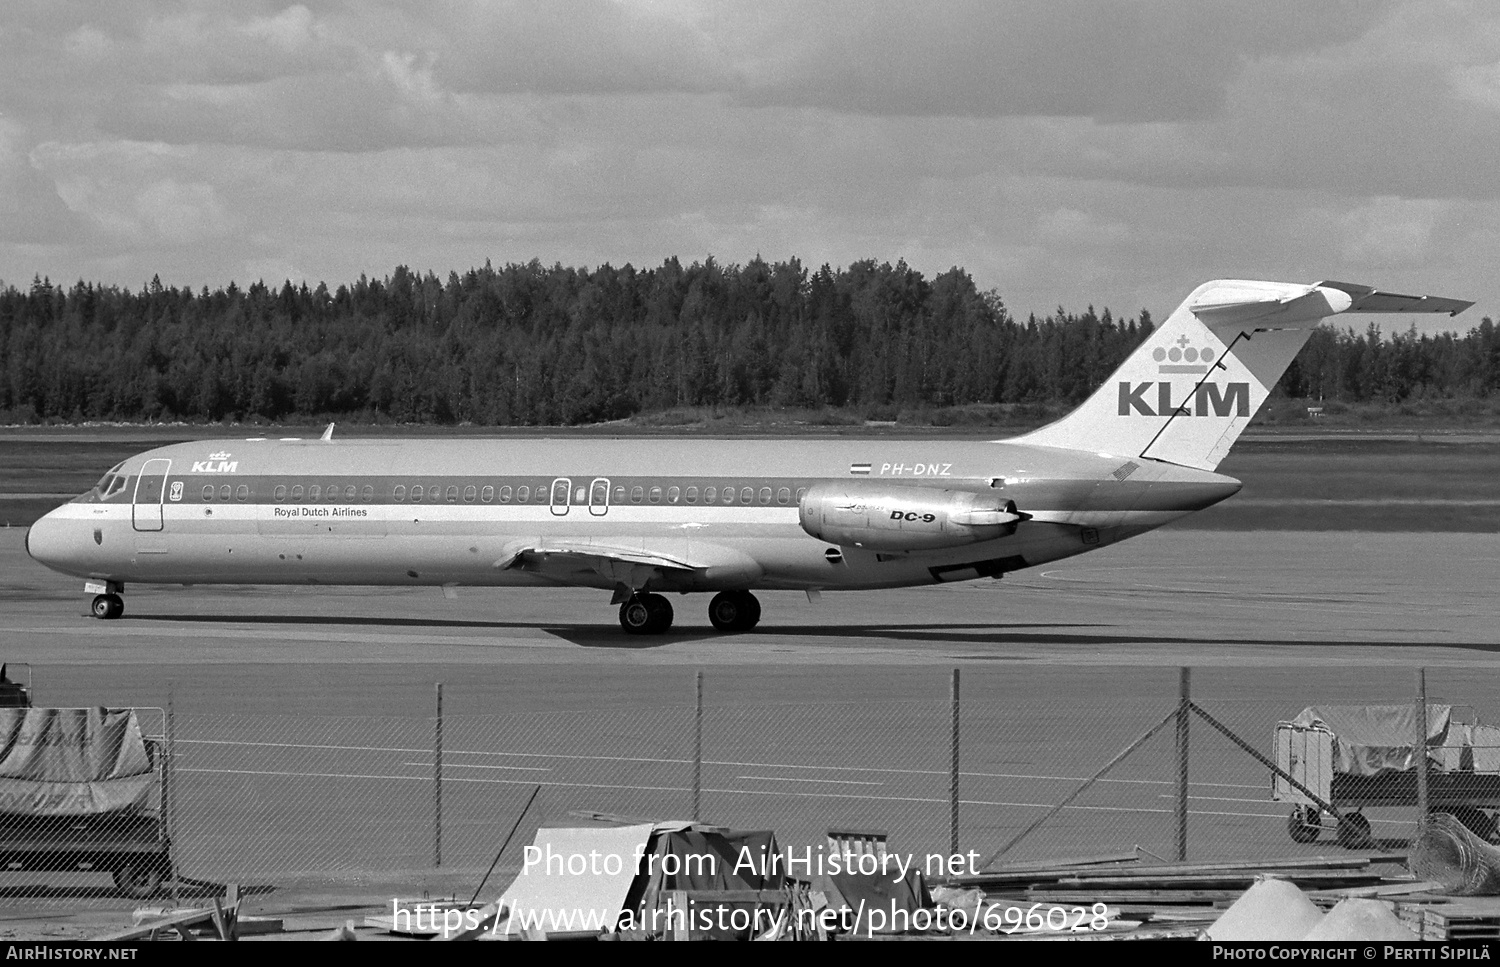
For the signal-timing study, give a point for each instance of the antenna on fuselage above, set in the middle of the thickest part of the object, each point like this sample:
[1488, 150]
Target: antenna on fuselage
[327, 434]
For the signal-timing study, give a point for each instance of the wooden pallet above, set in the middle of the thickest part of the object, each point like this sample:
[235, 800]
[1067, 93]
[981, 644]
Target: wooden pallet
[1476, 919]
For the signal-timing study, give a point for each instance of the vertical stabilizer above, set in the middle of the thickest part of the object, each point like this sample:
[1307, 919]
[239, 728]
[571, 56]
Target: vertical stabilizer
[1188, 392]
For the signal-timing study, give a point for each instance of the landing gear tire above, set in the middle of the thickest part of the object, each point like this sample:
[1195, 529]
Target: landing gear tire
[734, 611]
[107, 606]
[646, 614]
[1303, 824]
[137, 881]
[1354, 831]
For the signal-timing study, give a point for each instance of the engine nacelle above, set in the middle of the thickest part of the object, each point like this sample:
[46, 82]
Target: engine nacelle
[886, 517]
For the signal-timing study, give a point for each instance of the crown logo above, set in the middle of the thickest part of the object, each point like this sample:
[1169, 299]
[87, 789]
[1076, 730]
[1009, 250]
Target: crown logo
[221, 455]
[1183, 357]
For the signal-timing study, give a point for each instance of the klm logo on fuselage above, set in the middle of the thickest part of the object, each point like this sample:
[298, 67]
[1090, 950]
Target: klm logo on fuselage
[216, 463]
[1206, 399]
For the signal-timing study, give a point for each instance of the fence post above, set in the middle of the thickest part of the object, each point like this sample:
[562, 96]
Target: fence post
[169, 792]
[1184, 707]
[953, 772]
[698, 749]
[1421, 748]
[437, 782]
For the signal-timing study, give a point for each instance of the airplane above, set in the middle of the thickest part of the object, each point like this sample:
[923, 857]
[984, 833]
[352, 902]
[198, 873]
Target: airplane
[642, 518]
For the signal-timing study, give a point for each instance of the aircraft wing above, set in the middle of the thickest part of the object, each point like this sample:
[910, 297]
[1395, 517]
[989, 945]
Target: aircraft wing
[565, 561]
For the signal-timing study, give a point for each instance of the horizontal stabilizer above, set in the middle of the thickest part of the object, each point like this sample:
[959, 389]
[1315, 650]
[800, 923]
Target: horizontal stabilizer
[1368, 299]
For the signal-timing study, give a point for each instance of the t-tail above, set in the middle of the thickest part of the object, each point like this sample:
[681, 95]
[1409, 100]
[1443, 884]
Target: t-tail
[1188, 392]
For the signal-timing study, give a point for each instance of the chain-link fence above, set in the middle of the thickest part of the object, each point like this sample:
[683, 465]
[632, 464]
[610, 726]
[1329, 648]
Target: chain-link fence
[1045, 770]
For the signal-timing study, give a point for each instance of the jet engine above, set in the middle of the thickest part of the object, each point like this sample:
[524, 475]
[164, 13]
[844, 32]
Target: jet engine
[886, 517]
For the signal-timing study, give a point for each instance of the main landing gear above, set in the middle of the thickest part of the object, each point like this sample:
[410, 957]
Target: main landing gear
[107, 606]
[646, 614]
[734, 611]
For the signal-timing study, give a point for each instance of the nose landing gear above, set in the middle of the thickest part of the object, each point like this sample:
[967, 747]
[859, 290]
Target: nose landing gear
[107, 606]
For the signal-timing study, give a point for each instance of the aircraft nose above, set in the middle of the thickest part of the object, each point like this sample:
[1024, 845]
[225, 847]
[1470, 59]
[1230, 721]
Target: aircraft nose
[50, 542]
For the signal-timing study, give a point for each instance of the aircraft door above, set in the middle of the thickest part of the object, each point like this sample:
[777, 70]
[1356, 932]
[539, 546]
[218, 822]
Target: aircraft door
[150, 490]
[599, 496]
[562, 489]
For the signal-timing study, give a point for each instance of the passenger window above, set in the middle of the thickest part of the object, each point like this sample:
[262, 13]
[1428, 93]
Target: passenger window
[367, 494]
[297, 492]
[655, 495]
[672, 494]
[280, 492]
[208, 491]
[784, 495]
[350, 491]
[453, 493]
[636, 493]
[692, 495]
[540, 495]
[242, 492]
[224, 492]
[710, 494]
[727, 495]
[487, 494]
[523, 494]
[332, 493]
[765, 495]
[800, 492]
[416, 493]
[747, 494]
[399, 492]
[504, 495]
[620, 494]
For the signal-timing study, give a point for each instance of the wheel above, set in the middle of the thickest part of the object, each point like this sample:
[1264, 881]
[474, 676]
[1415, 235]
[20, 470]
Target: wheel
[661, 613]
[1303, 824]
[1354, 831]
[107, 606]
[137, 880]
[753, 603]
[734, 611]
[636, 616]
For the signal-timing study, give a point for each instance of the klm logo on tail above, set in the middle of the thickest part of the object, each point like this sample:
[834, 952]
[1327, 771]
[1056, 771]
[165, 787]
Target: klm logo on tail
[1204, 400]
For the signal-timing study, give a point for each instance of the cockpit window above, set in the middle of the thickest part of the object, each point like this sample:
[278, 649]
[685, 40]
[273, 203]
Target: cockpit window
[112, 482]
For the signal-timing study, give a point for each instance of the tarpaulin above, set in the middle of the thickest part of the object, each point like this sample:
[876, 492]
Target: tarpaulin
[575, 879]
[1369, 739]
[73, 762]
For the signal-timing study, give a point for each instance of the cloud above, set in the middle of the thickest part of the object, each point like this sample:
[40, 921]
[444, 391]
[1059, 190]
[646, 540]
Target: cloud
[137, 194]
[31, 210]
[1121, 61]
[1391, 232]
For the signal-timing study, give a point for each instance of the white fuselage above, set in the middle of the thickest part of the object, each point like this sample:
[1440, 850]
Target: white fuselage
[453, 512]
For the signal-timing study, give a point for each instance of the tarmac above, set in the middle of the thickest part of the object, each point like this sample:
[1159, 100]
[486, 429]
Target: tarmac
[1270, 622]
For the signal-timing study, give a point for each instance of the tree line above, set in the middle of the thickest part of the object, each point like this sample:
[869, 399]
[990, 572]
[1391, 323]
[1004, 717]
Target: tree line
[527, 344]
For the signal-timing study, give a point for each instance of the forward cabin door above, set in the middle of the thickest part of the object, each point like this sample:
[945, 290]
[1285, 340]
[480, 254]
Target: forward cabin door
[150, 490]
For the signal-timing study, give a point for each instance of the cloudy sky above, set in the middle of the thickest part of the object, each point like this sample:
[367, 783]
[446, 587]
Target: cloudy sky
[1064, 152]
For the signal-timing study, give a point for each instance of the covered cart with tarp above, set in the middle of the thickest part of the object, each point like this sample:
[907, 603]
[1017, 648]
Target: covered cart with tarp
[1352, 757]
[81, 789]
